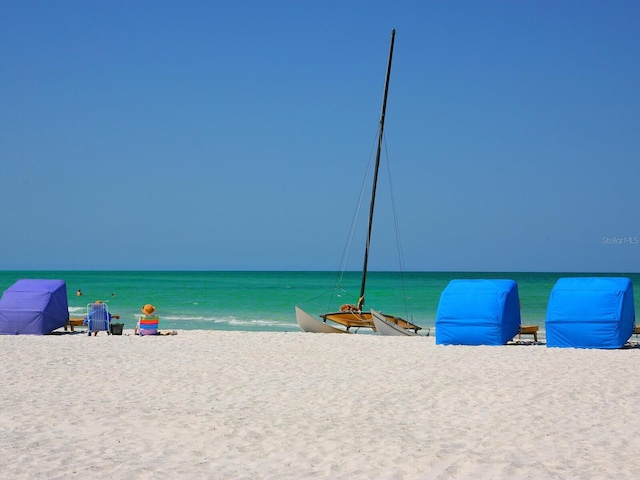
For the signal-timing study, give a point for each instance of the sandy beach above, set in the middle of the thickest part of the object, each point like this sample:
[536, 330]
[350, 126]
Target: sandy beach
[210, 404]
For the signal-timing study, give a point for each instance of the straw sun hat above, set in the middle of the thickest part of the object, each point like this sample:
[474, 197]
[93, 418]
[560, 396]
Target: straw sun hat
[148, 309]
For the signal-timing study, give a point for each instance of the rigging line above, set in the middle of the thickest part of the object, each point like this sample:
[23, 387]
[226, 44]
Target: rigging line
[354, 220]
[347, 250]
[397, 229]
[350, 236]
[328, 292]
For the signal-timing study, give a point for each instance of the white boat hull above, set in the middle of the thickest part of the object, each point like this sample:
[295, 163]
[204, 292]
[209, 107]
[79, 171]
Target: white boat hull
[309, 324]
[386, 327]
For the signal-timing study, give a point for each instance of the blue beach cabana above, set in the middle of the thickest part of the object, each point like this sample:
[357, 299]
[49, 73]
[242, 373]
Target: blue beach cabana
[478, 312]
[33, 307]
[590, 312]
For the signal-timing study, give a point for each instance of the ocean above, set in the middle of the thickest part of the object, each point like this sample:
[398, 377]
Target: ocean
[264, 301]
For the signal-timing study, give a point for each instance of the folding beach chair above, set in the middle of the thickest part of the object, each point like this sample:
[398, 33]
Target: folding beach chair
[148, 325]
[98, 318]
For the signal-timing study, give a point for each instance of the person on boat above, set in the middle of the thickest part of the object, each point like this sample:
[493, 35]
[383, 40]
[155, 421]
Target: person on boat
[148, 313]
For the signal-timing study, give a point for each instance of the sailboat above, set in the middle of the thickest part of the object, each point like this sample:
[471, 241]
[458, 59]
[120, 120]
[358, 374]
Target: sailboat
[353, 315]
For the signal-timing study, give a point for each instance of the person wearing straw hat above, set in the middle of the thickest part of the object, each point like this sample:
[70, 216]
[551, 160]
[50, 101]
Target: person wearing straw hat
[149, 320]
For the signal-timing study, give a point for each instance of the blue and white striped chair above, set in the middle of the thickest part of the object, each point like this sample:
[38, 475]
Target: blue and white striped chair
[98, 318]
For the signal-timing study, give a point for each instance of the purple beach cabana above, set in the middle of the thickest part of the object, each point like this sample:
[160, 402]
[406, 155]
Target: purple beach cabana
[33, 307]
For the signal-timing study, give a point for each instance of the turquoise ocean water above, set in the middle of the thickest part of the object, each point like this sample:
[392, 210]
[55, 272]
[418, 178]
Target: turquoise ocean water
[264, 301]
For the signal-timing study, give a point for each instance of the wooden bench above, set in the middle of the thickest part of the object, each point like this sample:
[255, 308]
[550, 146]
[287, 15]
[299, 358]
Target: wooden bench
[73, 322]
[529, 330]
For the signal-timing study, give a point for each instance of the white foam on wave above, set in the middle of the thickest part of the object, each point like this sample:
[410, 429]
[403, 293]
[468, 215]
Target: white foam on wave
[229, 320]
[194, 318]
[259, 322]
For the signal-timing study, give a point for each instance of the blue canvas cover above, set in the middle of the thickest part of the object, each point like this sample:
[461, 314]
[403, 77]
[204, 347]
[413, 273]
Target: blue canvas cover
[33, 307]
[478, 312]
[590, 312]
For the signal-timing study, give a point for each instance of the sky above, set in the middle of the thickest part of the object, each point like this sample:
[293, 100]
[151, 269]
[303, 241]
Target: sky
[206, 135]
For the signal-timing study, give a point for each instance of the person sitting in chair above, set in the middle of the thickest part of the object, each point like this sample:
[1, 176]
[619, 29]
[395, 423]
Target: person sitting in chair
[148, 320]
[97, 309]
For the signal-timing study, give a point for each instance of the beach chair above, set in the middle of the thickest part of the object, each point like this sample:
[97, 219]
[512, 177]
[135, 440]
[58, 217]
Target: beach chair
[148, 325]
[98, 318]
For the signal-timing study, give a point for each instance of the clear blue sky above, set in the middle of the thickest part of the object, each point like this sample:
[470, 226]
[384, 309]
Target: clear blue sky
[235, 135]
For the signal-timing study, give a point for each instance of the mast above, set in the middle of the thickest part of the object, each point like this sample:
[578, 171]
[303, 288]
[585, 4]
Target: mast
[375, 174]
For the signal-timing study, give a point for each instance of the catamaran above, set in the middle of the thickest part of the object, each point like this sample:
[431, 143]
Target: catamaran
[354, 315]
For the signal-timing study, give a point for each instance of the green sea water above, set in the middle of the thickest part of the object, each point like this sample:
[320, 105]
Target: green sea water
[264, 301]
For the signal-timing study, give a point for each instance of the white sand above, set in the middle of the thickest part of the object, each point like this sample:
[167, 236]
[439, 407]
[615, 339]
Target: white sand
[294, 405]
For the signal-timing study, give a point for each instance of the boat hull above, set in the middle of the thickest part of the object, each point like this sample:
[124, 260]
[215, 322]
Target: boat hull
[385, 325]
[309, 324]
